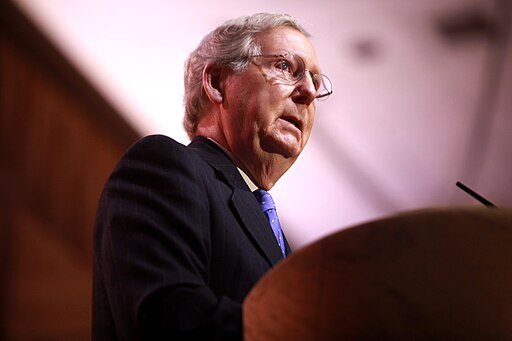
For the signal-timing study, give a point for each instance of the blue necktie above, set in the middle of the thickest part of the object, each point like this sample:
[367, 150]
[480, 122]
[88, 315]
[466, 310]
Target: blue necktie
[268, 206]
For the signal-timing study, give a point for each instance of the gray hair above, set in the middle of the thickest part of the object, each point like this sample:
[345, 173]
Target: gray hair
[231, 45]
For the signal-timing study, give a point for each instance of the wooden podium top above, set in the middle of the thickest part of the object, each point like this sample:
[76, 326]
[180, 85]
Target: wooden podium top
[431, 274]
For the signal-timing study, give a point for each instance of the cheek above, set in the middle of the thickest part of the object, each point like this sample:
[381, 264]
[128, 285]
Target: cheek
[254, 104]
[244, 118]
[261, 109]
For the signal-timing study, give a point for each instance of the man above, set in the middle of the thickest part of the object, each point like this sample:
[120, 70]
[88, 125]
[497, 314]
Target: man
[180, 238]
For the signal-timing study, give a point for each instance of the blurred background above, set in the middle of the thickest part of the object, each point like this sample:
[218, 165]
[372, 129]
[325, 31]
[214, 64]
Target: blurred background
[422, 99]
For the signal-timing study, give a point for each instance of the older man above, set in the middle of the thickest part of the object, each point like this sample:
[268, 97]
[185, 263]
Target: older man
[180, 237]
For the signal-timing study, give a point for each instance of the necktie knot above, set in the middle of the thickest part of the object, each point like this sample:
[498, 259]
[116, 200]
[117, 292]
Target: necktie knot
[265, 200]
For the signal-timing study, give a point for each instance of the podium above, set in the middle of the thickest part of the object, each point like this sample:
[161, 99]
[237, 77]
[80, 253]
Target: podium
[437, 274]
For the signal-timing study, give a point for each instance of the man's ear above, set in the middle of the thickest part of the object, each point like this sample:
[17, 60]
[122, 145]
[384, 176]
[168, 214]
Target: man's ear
[212, 82]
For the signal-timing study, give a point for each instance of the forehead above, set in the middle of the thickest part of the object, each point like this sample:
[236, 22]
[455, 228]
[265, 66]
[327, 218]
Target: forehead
[289, 39]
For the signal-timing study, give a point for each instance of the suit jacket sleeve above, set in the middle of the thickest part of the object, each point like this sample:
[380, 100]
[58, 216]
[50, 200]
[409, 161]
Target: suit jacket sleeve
[152, 249]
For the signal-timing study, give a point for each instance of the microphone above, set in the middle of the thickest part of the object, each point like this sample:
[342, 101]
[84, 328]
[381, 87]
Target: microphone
[475, 195]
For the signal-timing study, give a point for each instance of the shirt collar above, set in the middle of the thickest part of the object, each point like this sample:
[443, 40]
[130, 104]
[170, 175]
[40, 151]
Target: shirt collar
[252, 186]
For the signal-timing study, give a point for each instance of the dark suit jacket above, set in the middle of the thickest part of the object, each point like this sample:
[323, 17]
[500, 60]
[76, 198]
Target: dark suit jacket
[179, 241]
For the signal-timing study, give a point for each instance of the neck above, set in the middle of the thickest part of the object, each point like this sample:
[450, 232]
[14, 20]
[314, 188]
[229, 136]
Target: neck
[266, 169]
[262, 167]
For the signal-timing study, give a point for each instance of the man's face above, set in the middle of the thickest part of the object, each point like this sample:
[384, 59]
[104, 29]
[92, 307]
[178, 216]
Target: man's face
[261, 117]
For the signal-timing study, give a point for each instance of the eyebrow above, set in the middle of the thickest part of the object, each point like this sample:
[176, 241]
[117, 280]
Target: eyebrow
[315, 70]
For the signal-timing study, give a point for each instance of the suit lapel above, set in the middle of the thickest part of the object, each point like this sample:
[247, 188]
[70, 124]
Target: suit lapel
[246, 206]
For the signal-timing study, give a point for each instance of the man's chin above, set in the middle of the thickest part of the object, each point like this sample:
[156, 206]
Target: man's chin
[286, 148]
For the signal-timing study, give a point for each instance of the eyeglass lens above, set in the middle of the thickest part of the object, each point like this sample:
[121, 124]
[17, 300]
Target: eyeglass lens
[292, 69]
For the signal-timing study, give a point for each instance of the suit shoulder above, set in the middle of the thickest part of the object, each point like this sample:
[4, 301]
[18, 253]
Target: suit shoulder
[160, 154]
[155, 142]
[159, 147]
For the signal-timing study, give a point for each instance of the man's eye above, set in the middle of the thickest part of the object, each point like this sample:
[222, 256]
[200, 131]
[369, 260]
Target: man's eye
[283, 65]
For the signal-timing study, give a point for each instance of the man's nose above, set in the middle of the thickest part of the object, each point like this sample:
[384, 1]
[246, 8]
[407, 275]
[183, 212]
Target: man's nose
[305, 91]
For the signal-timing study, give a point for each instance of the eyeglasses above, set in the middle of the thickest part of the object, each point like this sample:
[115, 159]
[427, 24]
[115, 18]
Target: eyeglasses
[289, 68]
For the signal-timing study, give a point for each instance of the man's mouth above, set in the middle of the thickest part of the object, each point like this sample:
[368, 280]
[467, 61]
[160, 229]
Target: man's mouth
[293, 120]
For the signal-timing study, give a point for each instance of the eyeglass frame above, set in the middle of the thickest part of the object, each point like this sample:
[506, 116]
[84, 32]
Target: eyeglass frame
[327, 84]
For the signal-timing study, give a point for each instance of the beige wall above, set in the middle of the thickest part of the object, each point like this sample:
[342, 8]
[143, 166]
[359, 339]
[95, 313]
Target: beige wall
[59, 139]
